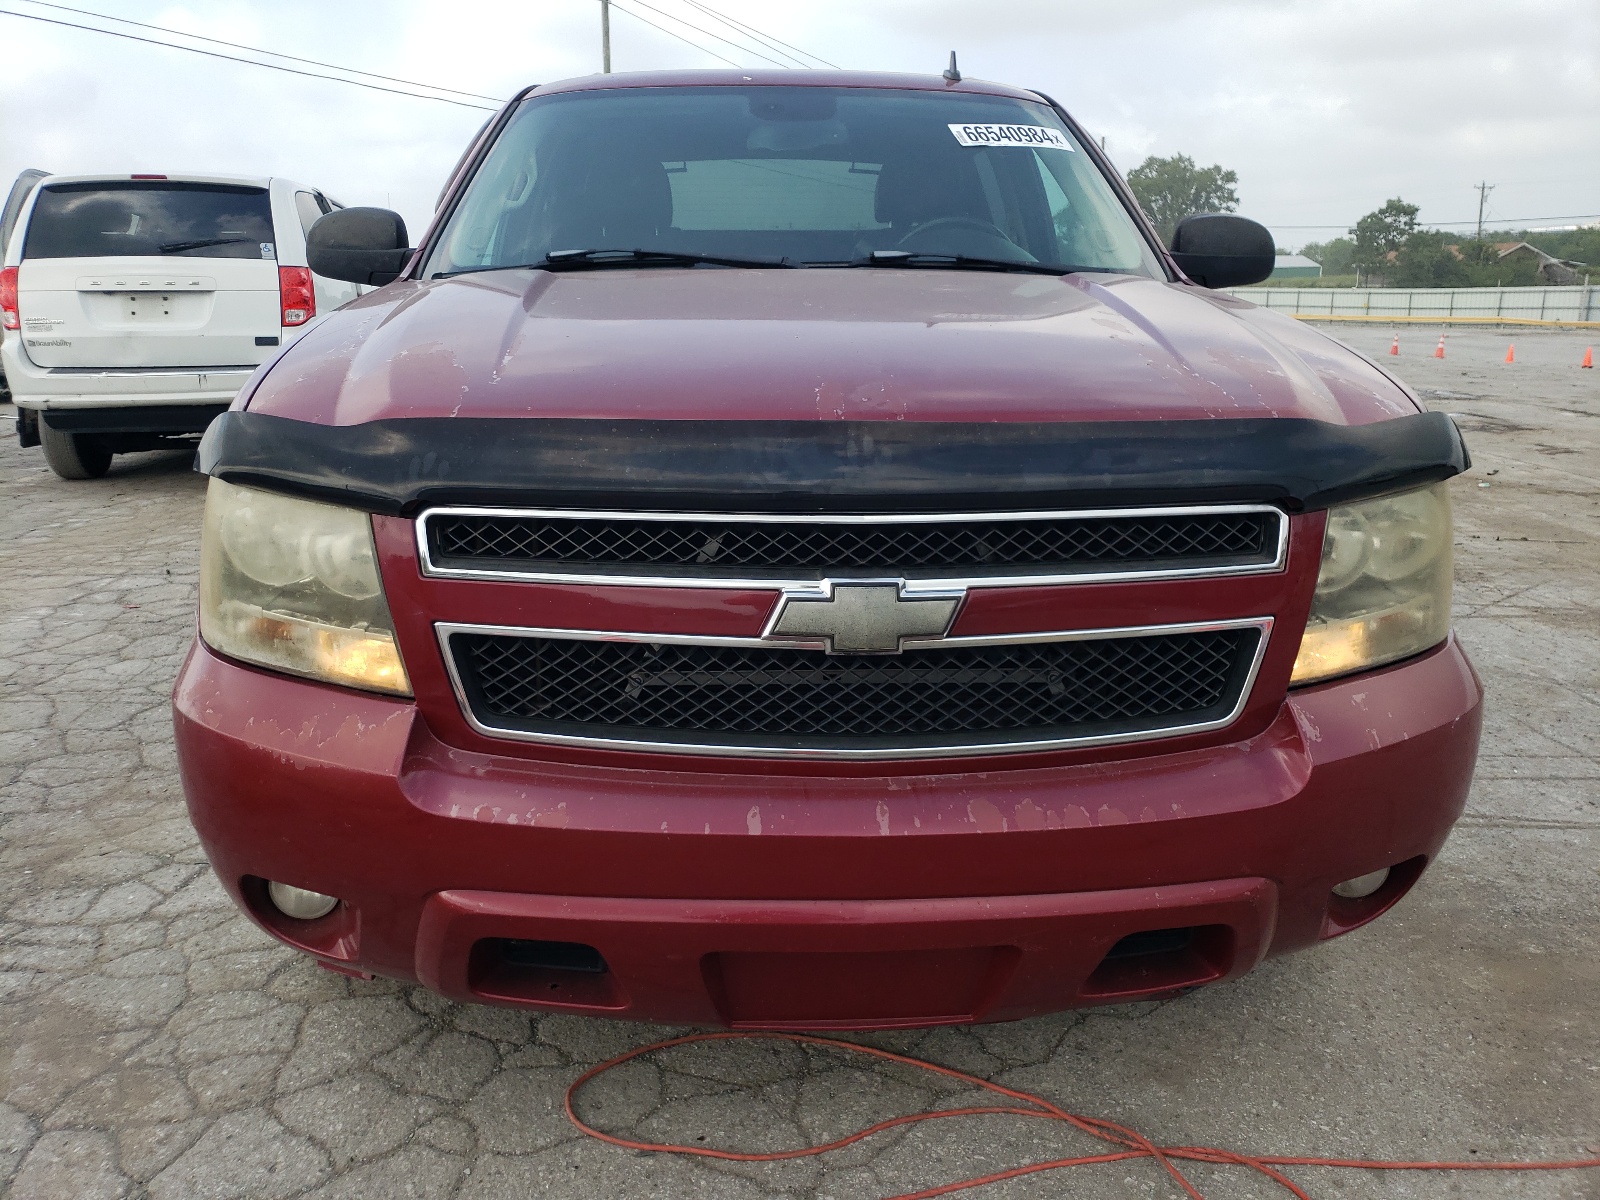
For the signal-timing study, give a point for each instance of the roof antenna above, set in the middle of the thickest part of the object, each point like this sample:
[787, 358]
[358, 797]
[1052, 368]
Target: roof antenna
[951, 74]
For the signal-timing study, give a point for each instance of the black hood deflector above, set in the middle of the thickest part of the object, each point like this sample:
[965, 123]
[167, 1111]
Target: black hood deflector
[399, 466]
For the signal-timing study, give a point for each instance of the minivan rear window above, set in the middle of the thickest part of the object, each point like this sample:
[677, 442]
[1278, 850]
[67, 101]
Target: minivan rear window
[150, 218]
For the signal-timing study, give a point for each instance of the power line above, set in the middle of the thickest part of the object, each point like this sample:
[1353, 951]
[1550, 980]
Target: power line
[746, 34]
[84, 12]
[746, 31]
[707, 33]
[249, 62]
[669, 33]
[767, 38]
[1439, 196]
[793, 60]
[1503, 222]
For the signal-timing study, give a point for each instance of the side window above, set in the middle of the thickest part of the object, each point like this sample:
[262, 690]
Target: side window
[1060, 207]
[1087, 226]
[505, 199]
[305, 204]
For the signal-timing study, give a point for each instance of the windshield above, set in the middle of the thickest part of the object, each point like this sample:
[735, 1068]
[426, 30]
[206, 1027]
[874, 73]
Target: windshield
[809, 175]
[149, 218]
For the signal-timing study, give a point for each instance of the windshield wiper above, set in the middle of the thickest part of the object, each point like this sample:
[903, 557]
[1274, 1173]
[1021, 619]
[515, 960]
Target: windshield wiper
[175, 247]
[580, 260]
[961, 262]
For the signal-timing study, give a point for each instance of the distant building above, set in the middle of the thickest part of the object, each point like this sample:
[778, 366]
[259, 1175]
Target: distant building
[1552, 270]
[1294, 266]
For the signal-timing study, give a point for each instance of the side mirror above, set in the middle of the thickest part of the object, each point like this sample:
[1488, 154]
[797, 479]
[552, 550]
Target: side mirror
[358, 245]
[1219, 250]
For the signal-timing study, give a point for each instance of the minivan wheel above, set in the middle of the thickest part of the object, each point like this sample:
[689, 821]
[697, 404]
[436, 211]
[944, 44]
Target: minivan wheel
[74, 455]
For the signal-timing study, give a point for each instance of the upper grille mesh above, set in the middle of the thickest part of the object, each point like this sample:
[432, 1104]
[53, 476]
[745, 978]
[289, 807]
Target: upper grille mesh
[755, 695]
[715, 546]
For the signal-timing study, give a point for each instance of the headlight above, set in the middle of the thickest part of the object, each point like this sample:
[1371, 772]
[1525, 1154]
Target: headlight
[293, 585]
[1383, 592]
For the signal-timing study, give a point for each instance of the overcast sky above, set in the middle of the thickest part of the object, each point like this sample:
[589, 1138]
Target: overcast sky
[1325, 108]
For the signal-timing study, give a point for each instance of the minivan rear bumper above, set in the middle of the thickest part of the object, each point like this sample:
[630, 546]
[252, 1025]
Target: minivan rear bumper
[113, 391]
[174, 419]
[854, 899]
[47, 388]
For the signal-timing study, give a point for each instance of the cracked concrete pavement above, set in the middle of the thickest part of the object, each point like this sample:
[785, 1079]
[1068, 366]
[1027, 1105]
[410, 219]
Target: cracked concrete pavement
[153, 1043]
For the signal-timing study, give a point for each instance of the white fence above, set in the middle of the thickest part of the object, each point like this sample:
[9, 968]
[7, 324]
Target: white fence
[1512, 304]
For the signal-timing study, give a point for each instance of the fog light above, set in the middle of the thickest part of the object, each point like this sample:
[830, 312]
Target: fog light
[1351, 889]
[304, 905]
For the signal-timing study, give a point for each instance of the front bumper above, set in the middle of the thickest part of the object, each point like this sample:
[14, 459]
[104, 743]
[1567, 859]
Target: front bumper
[817, 899]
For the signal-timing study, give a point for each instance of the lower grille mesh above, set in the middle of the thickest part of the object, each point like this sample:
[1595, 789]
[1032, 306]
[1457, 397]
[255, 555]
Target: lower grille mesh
[797, 698]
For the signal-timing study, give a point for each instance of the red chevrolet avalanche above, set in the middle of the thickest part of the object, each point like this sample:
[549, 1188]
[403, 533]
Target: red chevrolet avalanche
[797, 550]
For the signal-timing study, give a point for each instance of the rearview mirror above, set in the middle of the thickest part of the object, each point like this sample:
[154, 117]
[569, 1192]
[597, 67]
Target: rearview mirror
[1219, 250]
[358, 245]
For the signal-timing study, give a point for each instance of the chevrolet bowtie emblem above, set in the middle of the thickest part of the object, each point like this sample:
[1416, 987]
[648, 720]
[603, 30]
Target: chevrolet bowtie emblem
[863, 618]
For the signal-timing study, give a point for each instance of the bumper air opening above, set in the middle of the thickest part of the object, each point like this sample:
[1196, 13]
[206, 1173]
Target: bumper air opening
[552, 956]
[1345, 915]
[1162, 960]
[548, 972]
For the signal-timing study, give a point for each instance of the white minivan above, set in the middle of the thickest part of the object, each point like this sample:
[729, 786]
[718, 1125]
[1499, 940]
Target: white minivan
[135, 306]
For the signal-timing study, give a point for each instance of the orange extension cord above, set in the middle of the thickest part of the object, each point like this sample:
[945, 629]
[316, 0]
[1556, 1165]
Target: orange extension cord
[1130, 1143]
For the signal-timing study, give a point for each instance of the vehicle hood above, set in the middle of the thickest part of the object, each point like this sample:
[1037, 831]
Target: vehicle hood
[822, 344]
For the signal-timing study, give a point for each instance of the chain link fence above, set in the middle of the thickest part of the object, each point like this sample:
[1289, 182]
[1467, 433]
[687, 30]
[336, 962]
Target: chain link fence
[1578, 304]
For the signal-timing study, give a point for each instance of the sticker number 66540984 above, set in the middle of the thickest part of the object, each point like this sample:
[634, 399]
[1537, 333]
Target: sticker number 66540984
[1011, 135]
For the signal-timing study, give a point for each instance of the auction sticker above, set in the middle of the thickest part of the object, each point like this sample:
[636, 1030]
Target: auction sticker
[1011, 135]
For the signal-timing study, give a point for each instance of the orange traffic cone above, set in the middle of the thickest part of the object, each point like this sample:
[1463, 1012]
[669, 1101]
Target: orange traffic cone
[1511, 352]
[1588, 357]
[1395, 348]
[1439, 353]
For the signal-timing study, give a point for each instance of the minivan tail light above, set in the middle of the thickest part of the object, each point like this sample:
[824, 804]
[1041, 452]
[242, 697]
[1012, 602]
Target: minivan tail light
[298, 298]
[9, 317]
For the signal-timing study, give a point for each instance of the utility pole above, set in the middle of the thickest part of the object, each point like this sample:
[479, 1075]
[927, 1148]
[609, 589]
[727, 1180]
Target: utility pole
[605, 36]
[1483, 195]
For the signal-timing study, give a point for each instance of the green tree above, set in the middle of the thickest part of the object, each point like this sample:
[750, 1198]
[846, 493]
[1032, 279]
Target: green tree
[1428, 258]
[1382, 232]
[1169, 189]
[1336, 256]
